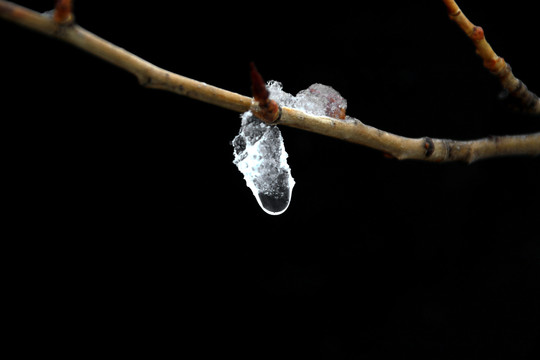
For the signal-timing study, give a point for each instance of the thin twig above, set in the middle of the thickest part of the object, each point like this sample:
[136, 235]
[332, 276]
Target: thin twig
[527, 100]
[354, 131]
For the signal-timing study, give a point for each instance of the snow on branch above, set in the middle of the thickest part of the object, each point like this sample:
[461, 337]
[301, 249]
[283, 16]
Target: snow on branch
[61, 25]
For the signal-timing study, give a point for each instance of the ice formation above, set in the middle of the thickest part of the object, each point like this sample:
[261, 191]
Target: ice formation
[318, 99]
[259, 152]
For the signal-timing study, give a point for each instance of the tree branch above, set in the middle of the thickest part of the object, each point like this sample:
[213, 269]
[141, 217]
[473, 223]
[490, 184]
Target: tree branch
[527, 100]
[62, 26]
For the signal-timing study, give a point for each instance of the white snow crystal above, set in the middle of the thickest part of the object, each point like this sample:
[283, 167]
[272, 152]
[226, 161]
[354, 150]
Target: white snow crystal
[278, 95]
[260, 155]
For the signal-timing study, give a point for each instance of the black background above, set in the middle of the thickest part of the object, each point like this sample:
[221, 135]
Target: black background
[134, 229]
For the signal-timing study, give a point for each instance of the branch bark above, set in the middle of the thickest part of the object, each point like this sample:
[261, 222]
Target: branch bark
[355, 131]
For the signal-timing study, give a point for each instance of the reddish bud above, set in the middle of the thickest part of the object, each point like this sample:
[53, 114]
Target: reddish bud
[62, 12]
[258, 87]
[267, 110]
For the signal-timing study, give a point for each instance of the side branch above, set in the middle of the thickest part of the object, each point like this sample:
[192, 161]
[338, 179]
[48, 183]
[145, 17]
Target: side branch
[62, 27]
[515, 88]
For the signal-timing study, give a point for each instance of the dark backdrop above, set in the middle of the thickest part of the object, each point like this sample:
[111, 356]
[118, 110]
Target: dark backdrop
[134, 228]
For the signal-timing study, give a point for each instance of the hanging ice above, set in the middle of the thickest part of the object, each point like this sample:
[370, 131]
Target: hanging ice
[259, 152]
[260, 155]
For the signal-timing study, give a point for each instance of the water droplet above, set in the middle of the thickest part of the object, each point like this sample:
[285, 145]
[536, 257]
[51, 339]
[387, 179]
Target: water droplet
[274, 205]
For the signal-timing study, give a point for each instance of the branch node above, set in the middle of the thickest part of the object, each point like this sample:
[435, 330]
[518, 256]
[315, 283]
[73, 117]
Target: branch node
[429, 146]
[453, 15]
[497, 66]
[477, 33]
